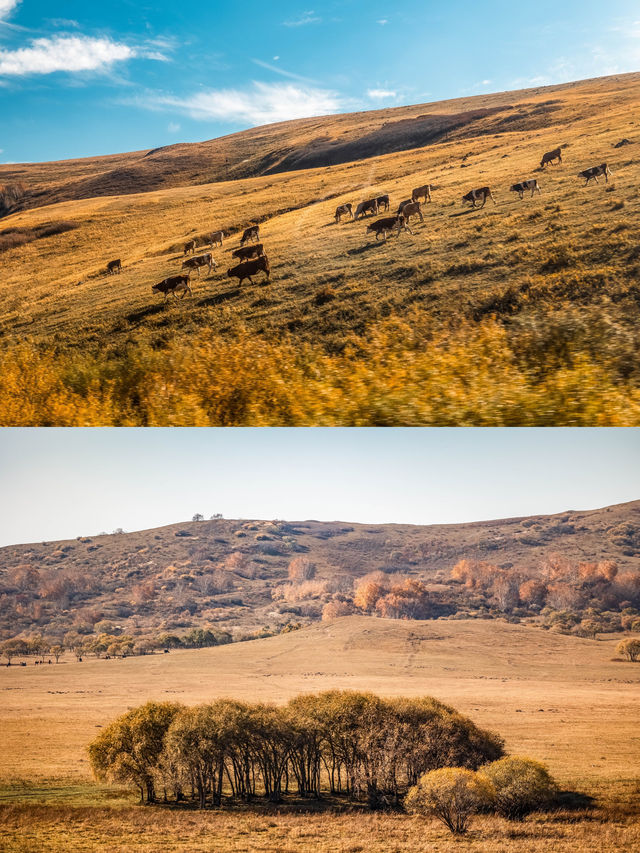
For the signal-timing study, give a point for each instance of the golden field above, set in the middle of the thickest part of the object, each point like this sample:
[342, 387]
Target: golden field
[523, 313]
[559, 699]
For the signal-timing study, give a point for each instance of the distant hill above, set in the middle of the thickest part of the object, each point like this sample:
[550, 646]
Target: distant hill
[314, 142]
[233, 574]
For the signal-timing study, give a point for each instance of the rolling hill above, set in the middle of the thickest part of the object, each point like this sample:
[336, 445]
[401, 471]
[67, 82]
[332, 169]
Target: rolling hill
[523, 313]
[308, 143]
[232, 575]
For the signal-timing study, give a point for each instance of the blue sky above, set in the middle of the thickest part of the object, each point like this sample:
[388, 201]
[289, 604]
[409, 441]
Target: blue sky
[61, 483]
[79, 79]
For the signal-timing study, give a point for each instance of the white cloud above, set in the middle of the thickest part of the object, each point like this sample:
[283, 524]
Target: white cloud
[264, 103]
[379, 94]
[63, 53]
[7, 6]
[303, 20]
[173, 127]
[383, 21]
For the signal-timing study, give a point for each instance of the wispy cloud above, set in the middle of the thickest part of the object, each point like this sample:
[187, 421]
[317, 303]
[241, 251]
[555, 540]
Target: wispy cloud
[382, 21]
[380, 94]
[6, 7]
[304, 19]
[63, 53]
[263, 103]
[282, 72]
[173, 127]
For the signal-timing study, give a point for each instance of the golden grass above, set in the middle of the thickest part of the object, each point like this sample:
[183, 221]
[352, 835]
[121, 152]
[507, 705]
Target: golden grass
[523, 313]
[556, 698]
[77, 830]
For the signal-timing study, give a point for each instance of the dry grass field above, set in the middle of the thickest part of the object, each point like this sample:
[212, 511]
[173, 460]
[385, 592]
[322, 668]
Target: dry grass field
[523, 313]
[558, 699]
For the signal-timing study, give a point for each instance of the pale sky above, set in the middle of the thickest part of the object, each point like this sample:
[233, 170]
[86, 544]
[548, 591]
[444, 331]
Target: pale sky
[62, 483]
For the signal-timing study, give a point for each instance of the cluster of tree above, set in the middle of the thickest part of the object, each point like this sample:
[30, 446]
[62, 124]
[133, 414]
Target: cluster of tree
[109, 643]
[560, 586]
[339, 742]
[511, 786]
[36, 646]
[382, 594]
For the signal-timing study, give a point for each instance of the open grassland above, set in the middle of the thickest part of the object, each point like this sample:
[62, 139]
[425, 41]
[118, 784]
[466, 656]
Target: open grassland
[559, 699]
[523, 313]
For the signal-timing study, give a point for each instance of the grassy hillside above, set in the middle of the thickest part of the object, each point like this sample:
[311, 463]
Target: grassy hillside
[525, 312]
[290, 145]
[234, 575]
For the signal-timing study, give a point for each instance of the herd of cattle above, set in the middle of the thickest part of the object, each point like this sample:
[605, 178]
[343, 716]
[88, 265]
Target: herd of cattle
[253, 259]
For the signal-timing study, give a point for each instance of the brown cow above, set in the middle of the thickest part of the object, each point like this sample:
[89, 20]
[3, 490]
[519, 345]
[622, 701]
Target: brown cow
[369, 206]
[246, 252]
[550, 156]
[403, 204]
[475, 195]
[594, 171]
[216, 238]
[421, 192]
[412, 208]
[382, 226]
[114, 267]
[248, 268]
[342, 210]
[172, 285]
[383, 202]
[252, 233]
[189, 247]
[205, 260]
[522, 186]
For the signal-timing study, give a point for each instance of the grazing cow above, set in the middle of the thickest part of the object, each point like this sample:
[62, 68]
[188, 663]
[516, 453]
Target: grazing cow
[550, 156]
[114, 267]
[248, 268]
[475, 195]
[172, 285]
[421, 192]
[342, 210]
[522, 186]
[216, 238]
[383, 202]
[382, 226]
[412, 208]
[252, 233]
[594, 171]
[246, 252]
[189, 247]
[369, 206]
[205, 260]
[403, 204]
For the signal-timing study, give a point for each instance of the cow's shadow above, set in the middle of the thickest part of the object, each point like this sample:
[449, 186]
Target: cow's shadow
[219, 298]
[144, 313]
[366, 248]
[466, 212]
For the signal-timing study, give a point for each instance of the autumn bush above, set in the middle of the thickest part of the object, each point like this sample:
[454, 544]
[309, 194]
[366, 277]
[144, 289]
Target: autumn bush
[395, 374]
[518, 786]
[452, 795]
[629, 648]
